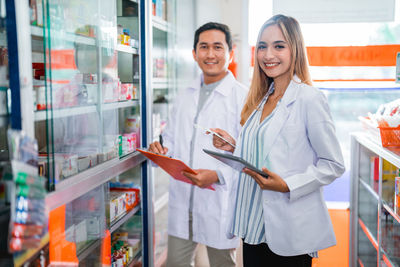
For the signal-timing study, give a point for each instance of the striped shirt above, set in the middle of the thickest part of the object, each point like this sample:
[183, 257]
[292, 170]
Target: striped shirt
[248, 221]
[248, 218]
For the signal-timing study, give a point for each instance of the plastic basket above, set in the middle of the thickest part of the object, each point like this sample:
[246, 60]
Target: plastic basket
[389, 136]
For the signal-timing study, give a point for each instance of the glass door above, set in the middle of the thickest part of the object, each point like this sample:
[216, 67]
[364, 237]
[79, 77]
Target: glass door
[5, 101]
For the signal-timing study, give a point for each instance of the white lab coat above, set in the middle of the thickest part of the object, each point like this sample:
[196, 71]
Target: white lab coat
[222, 109]
[302, 148]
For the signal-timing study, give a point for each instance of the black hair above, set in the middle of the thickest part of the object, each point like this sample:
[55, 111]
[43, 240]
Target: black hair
[214, 26]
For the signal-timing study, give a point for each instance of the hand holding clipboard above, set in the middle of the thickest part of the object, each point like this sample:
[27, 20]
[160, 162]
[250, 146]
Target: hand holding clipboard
[173, 167]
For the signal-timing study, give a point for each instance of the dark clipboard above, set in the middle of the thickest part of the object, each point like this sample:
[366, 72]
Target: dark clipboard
[234, 162]
[173, 167]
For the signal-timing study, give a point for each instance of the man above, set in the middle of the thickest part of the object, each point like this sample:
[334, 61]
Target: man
[215, 100]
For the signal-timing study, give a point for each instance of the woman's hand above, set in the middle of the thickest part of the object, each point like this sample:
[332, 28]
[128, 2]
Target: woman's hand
[274, 182]
[203, 178]
[221, 144]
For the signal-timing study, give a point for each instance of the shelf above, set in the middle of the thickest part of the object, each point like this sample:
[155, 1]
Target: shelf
[391, 155]
[40, 115]
[71, 37]
[369, 189]
[127, 216]
[127, 49]
[88, 249]
[373, 241]
[76, 38]
[83, 182]
[161, 24]
[160, 83]
[360, 262]
[368, 233]
[391, 212]
[37, 31]
[122, 104]
[135, 259]
[26, 255]
[387, 261]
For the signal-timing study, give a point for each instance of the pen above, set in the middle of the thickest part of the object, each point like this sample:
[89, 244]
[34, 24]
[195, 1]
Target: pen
[161, 140]
[214, 133]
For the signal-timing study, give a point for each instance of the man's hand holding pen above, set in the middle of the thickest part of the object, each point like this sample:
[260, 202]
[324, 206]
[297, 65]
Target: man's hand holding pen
[157, 147]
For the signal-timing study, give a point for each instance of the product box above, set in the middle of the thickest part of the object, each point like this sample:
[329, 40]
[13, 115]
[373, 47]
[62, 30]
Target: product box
[397, 195]
[117, 204]
[68, 164]
[126, 91]
[131, 196]
[39, 12]
[87, 162]
[388, 181]
[110, 91]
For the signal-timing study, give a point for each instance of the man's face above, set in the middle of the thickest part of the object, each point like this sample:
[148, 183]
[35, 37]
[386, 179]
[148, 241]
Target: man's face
[212, 55]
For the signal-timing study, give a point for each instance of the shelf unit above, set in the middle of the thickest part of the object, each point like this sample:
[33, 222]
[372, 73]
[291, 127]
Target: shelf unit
[374, 224]
[78, 43]
[80, 129]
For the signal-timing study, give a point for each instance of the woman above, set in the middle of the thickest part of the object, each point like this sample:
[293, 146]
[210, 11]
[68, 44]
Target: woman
[288, 132]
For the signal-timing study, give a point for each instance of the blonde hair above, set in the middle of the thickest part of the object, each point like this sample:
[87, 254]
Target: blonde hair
[260, 82]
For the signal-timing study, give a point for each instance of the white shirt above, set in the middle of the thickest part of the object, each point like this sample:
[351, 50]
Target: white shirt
[221, 110]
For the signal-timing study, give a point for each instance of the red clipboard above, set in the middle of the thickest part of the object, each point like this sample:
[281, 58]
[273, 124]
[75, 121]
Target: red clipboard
[173, 167]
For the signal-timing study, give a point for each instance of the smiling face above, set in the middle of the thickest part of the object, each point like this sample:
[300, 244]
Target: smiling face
[274, 55]
[212, 55]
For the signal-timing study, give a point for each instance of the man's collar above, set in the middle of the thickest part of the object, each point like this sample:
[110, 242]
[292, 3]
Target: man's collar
[223, 87]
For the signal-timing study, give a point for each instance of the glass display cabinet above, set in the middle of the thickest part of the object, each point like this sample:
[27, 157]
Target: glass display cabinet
[374, 211]
[96, 76]
[162, 81]
[88, 121]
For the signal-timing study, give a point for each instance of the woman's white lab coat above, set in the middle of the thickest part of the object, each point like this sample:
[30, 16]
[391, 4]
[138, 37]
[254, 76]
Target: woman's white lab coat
[221, 110]
[302, 148]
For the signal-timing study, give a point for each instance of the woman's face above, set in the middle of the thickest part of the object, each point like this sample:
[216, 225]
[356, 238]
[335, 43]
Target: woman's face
[273, 54]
